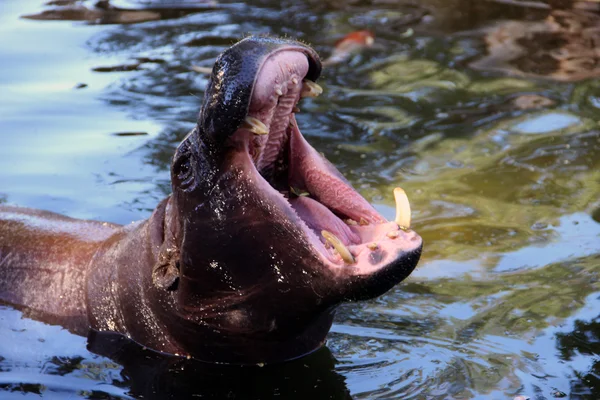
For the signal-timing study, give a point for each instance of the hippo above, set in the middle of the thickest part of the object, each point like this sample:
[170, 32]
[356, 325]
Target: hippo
[248, 258]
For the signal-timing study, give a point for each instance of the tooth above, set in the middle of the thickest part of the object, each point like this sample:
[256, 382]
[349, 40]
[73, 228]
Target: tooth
[393, 234]
[310, 89]
[351, 222]
[255, 125]
[373, 246]
[279, 92]
[202, 70]
[363, 222]
[402, 208]
[339, 246]
[299, 192]
[295, 81]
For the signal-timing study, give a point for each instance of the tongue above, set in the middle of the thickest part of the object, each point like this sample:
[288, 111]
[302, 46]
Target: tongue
[309, 170]
[319, 218]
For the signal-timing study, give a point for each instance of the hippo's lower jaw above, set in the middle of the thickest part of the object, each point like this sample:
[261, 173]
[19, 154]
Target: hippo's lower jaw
[350, 238]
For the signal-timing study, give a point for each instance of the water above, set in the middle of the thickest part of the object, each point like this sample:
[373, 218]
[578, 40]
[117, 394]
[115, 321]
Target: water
[506, 195]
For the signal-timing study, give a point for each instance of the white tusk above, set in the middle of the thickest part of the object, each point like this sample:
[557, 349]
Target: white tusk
[202, 70]
[255, 125]
[310, 89]
[402, 208]
[339, 246]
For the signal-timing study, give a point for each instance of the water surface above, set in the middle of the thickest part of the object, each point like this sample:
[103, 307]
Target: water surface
[500, 158]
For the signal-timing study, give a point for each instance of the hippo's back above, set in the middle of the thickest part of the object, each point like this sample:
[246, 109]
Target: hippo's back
[43, 261]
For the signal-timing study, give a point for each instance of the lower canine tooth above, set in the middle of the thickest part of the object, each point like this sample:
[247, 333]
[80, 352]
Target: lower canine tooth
[310, 89]
[339, 246]
[278, 92]
[402, 208]
[255, 126]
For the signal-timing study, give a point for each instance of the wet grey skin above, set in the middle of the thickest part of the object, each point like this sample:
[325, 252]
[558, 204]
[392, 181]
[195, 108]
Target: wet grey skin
[231, 267]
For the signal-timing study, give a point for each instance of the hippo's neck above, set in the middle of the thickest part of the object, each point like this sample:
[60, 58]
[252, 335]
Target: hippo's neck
[121, 295]
[43, 261]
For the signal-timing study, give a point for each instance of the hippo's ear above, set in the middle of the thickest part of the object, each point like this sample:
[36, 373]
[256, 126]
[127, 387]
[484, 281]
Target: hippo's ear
[165, 273]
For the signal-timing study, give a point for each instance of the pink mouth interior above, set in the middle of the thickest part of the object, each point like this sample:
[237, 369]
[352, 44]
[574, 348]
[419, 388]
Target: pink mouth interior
[304, 183]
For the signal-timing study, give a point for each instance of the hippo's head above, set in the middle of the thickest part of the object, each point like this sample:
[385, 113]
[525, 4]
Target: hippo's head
[253, 203]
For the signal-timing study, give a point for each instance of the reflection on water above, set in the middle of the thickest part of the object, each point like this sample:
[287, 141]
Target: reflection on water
[500, 159]
[562, 46]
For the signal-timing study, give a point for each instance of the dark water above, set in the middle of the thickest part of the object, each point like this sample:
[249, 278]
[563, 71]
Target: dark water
[505, 194]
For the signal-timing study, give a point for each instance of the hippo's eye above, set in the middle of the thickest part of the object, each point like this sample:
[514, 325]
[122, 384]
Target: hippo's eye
[182, 171]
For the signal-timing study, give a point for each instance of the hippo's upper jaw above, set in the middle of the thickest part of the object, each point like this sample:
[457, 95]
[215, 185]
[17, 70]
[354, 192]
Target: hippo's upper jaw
[255, 204]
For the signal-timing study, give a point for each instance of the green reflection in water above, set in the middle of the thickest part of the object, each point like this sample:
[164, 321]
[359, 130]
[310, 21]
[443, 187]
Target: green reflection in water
[507, 198]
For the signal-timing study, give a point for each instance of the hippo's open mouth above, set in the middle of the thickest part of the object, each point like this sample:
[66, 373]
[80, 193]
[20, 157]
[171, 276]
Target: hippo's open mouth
[341, 226]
